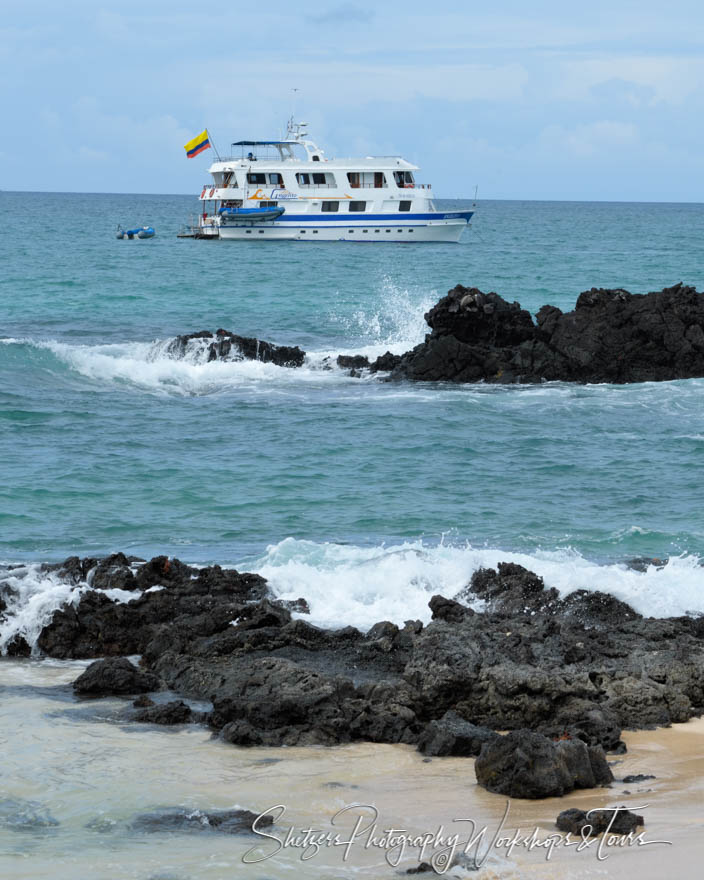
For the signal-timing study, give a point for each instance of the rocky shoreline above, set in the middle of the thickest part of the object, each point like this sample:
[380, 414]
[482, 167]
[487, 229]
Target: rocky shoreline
[610, 336]
[565, 675]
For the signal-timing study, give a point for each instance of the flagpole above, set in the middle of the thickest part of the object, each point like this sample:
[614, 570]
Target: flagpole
[214, 147]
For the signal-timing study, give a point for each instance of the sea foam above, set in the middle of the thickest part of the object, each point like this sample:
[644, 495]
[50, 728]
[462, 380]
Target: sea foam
[345, 584]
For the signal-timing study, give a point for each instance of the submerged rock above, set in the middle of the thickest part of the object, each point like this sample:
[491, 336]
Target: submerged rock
[175, 712]
[18, 814]
[617, 820]
[189, 821]
[114, 676]
[638, 777]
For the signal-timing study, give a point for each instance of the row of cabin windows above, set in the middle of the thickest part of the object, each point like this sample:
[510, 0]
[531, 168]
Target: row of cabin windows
[333, 207]
[356, 179]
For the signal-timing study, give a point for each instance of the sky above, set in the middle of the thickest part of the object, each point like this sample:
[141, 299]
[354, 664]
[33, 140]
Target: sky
[541, 100]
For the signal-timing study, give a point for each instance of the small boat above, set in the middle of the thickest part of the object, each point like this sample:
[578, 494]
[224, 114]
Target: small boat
[139, 232]
[249, 215]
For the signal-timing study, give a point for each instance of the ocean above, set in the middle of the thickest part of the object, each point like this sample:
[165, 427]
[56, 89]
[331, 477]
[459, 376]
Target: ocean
[364, 496]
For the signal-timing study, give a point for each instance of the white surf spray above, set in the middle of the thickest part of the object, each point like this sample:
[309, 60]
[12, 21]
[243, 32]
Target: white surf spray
[32, 595]
[345, 584]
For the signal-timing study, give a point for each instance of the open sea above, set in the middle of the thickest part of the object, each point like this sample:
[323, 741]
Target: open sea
[364, 496]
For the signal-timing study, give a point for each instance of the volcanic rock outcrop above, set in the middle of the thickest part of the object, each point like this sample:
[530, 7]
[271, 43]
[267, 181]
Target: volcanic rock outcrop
[578, 668]
[230, 346]
[611, 336]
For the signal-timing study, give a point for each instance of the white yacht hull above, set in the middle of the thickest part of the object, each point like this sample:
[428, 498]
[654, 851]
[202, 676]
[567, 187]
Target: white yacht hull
[434, 230]
[368, 198]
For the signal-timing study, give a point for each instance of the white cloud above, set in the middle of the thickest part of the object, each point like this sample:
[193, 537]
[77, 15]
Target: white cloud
[589, 139]
[672, 79]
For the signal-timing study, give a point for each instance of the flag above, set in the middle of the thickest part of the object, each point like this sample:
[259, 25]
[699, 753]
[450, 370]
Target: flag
[197, 145]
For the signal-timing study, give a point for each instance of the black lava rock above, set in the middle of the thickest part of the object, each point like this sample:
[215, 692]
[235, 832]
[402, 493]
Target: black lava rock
[114, 676]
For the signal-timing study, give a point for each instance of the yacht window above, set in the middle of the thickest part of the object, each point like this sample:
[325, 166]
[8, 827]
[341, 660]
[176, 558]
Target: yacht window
[404, 206]
[275, 179]
[268, 204]
[358, 206]
[318, 178]
[367, 179]
[227, 179]
[303, 179]
[256, 178]
[315, 158]
[404, 179]
[331, 206]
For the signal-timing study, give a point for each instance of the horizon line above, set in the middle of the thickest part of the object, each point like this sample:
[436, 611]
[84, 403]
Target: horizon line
[442, 198]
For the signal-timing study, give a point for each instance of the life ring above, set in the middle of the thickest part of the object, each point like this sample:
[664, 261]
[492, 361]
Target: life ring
[211, 192]
[205, 189]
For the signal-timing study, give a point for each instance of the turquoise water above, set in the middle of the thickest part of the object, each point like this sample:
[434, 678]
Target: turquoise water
[107, 444]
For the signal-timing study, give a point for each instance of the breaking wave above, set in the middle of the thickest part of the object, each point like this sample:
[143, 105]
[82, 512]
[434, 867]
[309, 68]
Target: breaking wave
[346, 584]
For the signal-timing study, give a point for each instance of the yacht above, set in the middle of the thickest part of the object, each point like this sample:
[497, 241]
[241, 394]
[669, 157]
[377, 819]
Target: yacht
[289, 189]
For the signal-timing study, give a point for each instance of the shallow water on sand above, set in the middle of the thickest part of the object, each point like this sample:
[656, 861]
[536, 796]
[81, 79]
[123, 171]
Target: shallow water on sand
[82, 765]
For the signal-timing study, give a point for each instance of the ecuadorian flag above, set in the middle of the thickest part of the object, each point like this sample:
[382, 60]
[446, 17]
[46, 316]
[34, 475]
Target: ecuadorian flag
[197, 145]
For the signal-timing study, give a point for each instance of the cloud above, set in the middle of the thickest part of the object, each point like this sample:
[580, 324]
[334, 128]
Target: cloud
[590, 139]
[344, 13]
[622, 91]
[672, 79]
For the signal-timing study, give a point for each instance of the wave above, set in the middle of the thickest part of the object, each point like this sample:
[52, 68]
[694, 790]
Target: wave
[346, 584]
[162, 366]
[31, 595]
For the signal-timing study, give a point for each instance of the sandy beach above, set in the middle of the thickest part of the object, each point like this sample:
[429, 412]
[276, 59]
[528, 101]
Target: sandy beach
[66, 758]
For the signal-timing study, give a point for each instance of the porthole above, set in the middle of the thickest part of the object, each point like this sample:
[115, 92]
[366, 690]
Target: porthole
[365, 230]
[350, 231]
[377, 230]
[315, 232]
[249, 232]
[303, 232]
[260, 231]
[388, 230]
